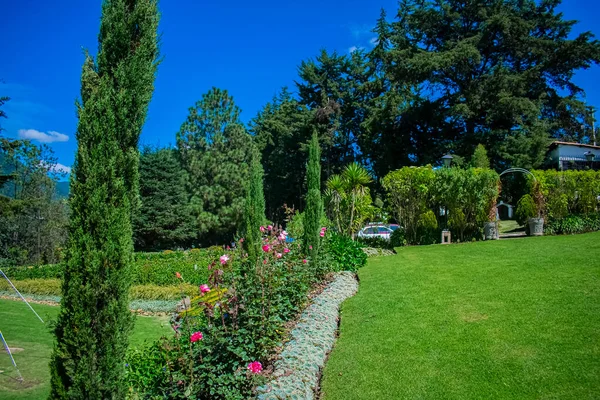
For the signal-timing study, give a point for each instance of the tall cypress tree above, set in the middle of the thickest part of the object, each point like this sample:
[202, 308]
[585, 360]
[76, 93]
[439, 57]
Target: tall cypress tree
[314, 205]
[94, 322]
[254, 210]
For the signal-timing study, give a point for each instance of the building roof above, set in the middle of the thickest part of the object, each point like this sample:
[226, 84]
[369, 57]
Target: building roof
[587, 146]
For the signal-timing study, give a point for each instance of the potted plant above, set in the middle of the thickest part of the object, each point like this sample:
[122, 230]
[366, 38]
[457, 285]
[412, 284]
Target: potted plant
[490, 228]
[536, 223]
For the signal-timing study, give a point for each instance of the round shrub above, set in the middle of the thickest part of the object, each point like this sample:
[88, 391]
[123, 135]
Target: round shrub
[346, 253]
[525, 209]
[398, 238]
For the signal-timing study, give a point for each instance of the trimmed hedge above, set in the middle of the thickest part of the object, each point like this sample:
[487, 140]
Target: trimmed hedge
[51, 287]
[572, 224]
[148, 268]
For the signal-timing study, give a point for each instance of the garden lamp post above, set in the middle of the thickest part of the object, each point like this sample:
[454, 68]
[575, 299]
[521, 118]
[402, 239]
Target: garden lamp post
[589, 156]
[447, 159]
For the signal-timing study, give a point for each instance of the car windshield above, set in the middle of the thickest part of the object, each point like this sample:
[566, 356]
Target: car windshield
[394, 227]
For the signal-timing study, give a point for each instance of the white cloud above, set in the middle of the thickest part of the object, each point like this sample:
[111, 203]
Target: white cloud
[374, 41]
[42, 137]
[60, 168]
[352, 49]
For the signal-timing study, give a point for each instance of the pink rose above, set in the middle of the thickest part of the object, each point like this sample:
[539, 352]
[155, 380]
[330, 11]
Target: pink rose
[262, 228]
[224, 258]
[195, 337]
[304, 261]
[204, 288]
[310, 247]
[266, 248]
[286, 250]
[270, 227]
[255, 367]
[322, 234]
[278, 255]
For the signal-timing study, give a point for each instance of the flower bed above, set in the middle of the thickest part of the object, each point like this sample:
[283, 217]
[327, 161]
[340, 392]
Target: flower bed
[298, 368]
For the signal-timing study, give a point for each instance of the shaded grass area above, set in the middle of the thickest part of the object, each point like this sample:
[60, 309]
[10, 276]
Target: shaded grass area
[22, 330]
[489, 320]
[510, 226]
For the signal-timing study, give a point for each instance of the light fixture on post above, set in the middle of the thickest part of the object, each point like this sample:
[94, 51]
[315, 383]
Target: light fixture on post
[589, 156]
[447, 159]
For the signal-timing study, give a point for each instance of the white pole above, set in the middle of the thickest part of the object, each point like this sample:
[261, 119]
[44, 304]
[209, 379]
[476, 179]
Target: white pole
[20, 295]
[11, 356]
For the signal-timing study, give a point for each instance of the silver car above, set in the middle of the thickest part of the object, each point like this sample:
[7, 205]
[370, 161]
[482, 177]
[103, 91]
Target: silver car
[375, 231]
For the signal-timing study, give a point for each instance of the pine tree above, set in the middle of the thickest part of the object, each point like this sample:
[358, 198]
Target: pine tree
[480, 158]
[164, 220]
[94, 322]
[254, 209]
[215, 151]
[314, 205]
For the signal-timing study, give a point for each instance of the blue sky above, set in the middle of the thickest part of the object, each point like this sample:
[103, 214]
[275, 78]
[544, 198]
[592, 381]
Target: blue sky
[251, 49]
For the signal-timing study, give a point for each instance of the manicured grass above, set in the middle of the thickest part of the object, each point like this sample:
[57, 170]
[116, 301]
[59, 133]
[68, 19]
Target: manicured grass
[509, 319]
[22, 329]
[510, 226]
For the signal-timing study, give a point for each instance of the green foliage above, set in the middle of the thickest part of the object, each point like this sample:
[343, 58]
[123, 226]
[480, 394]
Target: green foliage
[147, 268]
[427, 228]
[313, 212]
[408, 194]
[572, 224]
[568, 192]
[215, 151]
[164, 220]
[398, 238]
[254, 210]
[463, 199]
[347, 254]
[94, 323]
[525, 209]
[480, 157]
[281, 130]
[33, 220]
[375, 242]
[348, 199]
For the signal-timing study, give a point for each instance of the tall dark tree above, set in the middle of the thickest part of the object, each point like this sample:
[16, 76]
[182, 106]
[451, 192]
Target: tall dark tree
[314, 204]
[164, 220]
[281, 131]
[332, 86]
[496, 72]
[94, 321]
[215, 151]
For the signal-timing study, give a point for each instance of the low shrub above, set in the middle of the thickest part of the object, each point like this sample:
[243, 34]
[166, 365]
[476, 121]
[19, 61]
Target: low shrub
[398, 238]
[572, 224]
[525, 209]
[375, 242]
[346, 253]
[427, 229]
[147, 269]
[52, 287]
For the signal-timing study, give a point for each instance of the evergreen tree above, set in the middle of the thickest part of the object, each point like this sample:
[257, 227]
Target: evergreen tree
[314, 205]
[254, 208]
[94, 321]
[164, 220]
[215, 151]
[281, 131]
[480, 158]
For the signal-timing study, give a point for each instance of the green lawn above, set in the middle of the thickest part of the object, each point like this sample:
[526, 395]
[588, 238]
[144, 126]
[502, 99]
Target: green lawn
[22, 329]
[509, 319]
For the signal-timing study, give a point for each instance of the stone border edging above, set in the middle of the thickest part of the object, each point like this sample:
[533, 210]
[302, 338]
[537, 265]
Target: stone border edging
[298, 368]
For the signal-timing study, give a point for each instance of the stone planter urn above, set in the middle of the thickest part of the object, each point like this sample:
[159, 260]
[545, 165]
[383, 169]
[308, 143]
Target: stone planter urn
[490, 231]
[536, 226]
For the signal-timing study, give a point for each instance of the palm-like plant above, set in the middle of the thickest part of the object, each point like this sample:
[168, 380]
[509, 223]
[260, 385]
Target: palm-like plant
[344, 193]
[356, 178]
